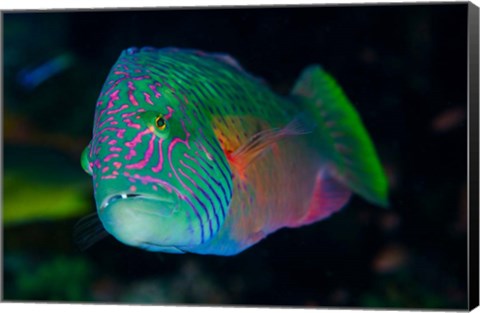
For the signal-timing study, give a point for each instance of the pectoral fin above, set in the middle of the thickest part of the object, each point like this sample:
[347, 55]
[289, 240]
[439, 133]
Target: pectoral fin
[260, 142]
[85, 160]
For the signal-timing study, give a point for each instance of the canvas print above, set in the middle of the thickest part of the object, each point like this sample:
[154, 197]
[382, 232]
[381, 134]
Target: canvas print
[301, 156]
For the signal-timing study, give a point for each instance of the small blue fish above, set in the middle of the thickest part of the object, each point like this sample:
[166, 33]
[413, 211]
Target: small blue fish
[32, 78]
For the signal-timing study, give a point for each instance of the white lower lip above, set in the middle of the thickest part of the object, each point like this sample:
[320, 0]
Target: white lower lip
[159, 248]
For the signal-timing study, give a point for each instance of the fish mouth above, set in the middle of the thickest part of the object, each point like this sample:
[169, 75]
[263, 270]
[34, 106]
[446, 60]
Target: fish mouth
[127, 196]
[150, 221]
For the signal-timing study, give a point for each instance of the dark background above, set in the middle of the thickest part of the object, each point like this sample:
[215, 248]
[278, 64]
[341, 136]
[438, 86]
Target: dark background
[403, 66]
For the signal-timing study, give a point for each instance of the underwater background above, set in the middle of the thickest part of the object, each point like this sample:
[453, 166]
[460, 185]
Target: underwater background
[403, 66]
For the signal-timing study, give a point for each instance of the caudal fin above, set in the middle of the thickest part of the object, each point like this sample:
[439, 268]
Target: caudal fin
[344, 141]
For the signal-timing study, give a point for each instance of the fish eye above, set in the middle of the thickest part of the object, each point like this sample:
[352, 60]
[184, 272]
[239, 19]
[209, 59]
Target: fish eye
[160, 122]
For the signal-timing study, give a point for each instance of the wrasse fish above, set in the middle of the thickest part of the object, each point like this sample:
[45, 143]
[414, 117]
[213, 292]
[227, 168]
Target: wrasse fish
[190, 153]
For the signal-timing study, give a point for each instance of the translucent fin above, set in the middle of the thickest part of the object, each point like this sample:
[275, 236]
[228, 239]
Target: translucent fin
[329, 196]
[344, 140]
[261, 141]
[88, 231]
[227, 59]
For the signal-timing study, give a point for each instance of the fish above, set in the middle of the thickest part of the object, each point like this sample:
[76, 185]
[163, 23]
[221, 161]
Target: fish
[190, 153]
[30, 78]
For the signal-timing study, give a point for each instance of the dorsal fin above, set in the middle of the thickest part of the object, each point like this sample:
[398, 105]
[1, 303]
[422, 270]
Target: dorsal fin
[232, 63]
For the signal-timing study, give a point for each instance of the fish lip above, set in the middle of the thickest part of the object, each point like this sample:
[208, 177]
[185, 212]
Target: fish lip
[111, 199]
[162, 246]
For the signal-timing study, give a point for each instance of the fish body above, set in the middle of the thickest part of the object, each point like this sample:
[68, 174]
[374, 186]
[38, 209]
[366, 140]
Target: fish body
[190, 153]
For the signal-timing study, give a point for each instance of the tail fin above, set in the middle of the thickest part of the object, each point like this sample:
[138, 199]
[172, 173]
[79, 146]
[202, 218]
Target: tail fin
[345, 142]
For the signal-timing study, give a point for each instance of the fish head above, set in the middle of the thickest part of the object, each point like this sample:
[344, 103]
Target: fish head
[160, 181]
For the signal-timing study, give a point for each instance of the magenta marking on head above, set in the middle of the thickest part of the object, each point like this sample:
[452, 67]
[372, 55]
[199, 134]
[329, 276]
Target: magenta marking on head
[141, 77]
[133, 188]
[106, 168]
[155, 187]
[110, 156]
[134, 142]
[120, 133]
[170, 112]
[113, 123]
[113, 97]
[112, 87]
[132, 180]
[128, 114]
[105, 121]
[153, 87]
[138, 139]
[149, 179]
[115, 149]
[109, 177]
[130, 154]
[146, 159]
[115, 173]
[103, 139]
[112, 142]
[97, 135]
[131, 124]
[155, 91]
[131, 97]
[98, 117]
[147, 98]
[97, 164]
[159, 166]
[118, 81]
[117, 164]
[123, 107]
[120, 73]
